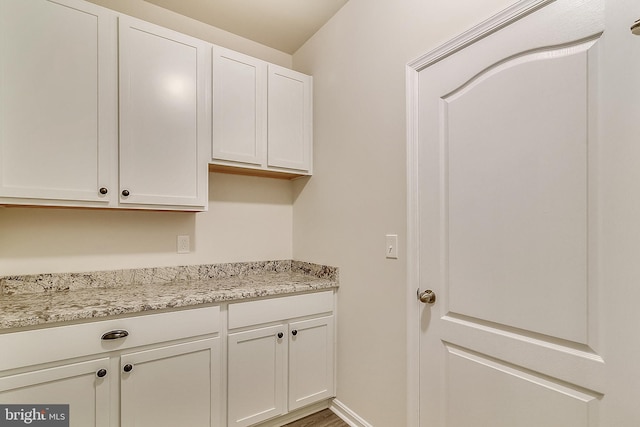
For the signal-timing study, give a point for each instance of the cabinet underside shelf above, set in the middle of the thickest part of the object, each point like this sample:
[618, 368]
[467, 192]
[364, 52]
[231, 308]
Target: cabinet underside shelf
[254, 172]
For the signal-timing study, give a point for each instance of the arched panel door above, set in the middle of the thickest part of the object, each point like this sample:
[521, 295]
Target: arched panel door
[506, 217]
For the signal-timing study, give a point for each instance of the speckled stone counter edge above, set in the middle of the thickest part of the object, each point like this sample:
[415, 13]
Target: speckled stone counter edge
[54, 282]
[32, 301]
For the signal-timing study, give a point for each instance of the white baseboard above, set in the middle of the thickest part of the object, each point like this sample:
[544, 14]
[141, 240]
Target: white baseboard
[335, 406]
[295, 415]
[347, 415]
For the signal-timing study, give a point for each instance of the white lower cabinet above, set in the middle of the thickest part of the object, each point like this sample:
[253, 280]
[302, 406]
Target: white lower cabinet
[170, 386]
[75, 384]
[166, 369]
[164, 372]
[256, 372]
[162, 387]
[311, 361]
[281, 358]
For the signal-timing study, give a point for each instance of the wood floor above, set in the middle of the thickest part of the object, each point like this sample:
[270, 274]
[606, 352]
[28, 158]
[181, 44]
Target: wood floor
[324, 418]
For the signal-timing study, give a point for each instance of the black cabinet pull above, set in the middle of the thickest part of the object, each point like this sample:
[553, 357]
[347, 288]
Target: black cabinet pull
[294, 332]
[125, 193]
[103, 190]
[101, 373]
[280, 334]
[128, 367]
[115, 334]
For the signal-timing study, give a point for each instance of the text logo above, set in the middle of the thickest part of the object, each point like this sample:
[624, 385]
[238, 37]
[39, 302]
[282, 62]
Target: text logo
[34, 415]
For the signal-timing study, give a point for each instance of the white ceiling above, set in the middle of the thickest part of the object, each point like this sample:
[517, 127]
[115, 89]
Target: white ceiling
[284, 25]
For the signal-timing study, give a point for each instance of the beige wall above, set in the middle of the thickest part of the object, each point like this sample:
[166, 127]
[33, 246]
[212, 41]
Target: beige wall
[357, 193]
[151, 13]
[249, 219]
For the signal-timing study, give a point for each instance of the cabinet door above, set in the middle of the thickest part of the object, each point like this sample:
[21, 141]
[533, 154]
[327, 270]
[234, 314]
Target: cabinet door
[289, 123]
[256, 375]
[165, 107]
[58, 102]
[239, 107]
[178, 385]
[311, 361]
[75, 384]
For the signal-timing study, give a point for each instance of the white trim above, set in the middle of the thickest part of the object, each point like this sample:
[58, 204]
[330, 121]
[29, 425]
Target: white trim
[413, 248]
[502, 19]
[347, 415]
[295, 415]
[335, 406]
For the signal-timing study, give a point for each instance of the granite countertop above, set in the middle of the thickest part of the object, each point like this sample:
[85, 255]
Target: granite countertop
[49, 298]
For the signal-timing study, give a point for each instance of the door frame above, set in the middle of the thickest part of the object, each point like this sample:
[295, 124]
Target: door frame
[502, 19]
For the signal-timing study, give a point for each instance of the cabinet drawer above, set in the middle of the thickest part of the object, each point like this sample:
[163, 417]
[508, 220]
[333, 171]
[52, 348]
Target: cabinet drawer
[275, 309]
[64, 342]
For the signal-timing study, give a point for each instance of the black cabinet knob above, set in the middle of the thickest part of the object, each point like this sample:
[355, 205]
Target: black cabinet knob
[125, 193]
[101, 373]
[103, 190]
[280, 334]
[128, 367]
[294, 332]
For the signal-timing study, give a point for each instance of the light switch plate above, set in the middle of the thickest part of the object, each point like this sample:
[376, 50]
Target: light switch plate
[183, 244]
[391, 247]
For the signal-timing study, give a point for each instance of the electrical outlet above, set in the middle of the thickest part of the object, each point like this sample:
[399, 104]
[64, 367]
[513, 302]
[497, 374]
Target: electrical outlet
[391, 247]
[183, 245]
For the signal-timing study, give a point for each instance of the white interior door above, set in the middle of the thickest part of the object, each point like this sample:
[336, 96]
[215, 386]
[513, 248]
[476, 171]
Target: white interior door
[505, 203]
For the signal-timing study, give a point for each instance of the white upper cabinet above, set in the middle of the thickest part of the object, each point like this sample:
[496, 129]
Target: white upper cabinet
[67, 69]
[164, 116]
[58, 102]
[240, 107]
[98, 109]
[262, 115]
[289, 119]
